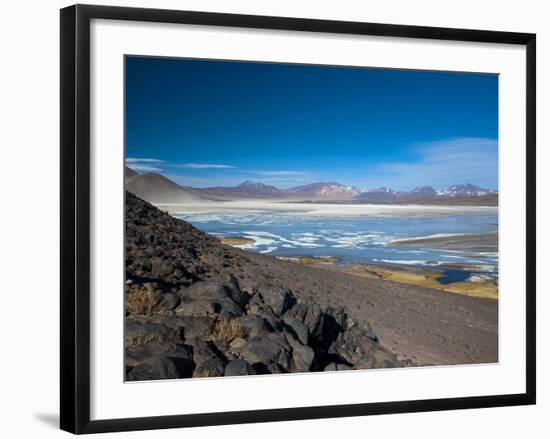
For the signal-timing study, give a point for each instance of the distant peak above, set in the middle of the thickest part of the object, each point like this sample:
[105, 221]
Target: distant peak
[383, 189]
[250, 183]
[465, 189]
[426, 189]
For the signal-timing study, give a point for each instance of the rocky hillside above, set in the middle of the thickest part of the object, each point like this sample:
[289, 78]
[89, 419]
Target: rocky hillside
[198, 308]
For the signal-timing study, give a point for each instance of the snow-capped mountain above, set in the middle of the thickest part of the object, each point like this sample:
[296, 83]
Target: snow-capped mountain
[329, 191]
[424, 191]
[427, 194]
[257, 186]
[381, 194]
[158, 188]
[314, 191]
[464, 190]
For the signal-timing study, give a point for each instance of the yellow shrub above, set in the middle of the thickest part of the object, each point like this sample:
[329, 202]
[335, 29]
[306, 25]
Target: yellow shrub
[142, 301]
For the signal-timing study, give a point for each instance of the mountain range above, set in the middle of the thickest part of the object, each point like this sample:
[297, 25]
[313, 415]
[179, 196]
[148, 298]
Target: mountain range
[313, 191]
[158, 189]
[457, 191]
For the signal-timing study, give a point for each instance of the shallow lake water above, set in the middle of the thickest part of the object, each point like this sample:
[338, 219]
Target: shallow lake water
[353, 239]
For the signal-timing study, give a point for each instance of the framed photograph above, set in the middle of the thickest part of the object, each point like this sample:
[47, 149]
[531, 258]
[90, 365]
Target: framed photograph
[285, 218]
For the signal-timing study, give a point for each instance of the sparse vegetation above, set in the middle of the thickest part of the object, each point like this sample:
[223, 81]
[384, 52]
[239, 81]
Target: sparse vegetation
[227, 330]
[142, 301]
[235, 241]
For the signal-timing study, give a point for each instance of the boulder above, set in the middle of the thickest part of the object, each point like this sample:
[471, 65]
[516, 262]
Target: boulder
[333, 323]
[279, 299]
[314, 319]
[310, 314]
[240, 297]
[298, 311]
[209, 362]
[195, 308]
[168, 302]
[227, 307]
[255, 303]
[217, 288]
[339, 316]
[333, 367]
[302, 355]
[196, 326]
[273, 321]
[238, 368]
[298, 328]
[140, 332]
[271, 350]
[160, 368]
[204, 290]
[143, 353]
[253, 324]
[354, 345]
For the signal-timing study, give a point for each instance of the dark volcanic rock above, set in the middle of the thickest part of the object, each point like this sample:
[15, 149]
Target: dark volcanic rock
[141, 354]
[239, 367]
[302, 356]
[279, 299]
[187, 316]
[253, 324]
[209, 361]
[196, 326]
[220, 295]
[200, 308]
[357, 347]
[168, 302]
[271, 351]
[205, 290]
[139, 332]
[298, 328]
[160, 368]
[333, 367]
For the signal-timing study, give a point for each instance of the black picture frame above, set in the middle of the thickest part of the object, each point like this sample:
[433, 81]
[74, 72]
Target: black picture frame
[75, 217]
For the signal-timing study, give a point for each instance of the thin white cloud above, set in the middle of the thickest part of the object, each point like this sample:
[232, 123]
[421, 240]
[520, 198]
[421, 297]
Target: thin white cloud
[144, 168]
[130, 160]
[441, 164]
[204, 166]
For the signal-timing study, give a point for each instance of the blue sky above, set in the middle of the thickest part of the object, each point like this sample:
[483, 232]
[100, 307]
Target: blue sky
[209, 123]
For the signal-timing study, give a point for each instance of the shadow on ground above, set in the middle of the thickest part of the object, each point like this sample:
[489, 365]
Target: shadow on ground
[49, 419]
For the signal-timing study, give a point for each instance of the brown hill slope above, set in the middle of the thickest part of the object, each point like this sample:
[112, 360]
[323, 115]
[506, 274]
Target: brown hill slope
[129, 172]
[158, 189]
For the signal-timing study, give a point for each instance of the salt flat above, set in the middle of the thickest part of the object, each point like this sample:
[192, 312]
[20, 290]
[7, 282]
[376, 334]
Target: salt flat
[324, 209]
